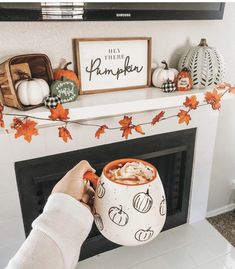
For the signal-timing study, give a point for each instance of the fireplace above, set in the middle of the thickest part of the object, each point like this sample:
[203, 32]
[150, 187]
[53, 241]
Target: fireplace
[172, 154]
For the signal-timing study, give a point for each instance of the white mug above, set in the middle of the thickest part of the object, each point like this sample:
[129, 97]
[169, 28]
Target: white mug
[129, 215]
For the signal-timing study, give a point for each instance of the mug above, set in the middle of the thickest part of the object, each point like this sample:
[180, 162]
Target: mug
[129, 215]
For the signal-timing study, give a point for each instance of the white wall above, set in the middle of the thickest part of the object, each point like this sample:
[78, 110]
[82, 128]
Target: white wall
[169, 40]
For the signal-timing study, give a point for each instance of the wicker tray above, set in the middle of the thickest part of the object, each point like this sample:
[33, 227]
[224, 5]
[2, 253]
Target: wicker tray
[37, 65]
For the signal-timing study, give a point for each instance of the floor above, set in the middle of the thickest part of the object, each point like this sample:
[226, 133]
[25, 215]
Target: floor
[225, 224]
[197, 246]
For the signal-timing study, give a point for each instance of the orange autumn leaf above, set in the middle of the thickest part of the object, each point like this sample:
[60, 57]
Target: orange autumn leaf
[2, 124]
[126, 132]
[59, 113]
[158, 117]
[191, 102]
[223, 85]
[184, 117]
[16, 123]
[213, 98]
[138, 129]
[100, 131]
[232, 90]
[126, 121]
[64, 134]
[25, 128]
[127, 126]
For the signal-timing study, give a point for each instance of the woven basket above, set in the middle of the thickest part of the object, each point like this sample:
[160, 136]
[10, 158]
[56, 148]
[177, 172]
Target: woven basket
[36, 65]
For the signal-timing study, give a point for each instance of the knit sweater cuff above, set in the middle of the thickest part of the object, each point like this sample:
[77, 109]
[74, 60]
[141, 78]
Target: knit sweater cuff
[65, 203]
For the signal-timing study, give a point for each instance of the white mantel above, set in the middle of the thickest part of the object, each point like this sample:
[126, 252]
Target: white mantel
[105, 108]
[95, 106]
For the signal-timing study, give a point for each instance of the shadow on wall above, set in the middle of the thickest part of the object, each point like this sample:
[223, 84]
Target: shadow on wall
[177, 53]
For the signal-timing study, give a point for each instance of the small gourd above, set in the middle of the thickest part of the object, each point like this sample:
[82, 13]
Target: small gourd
[31, 91]
[52, 101]
[184, 80]
[161, 75]
[169, 86]
[67, 73]
[65, 89]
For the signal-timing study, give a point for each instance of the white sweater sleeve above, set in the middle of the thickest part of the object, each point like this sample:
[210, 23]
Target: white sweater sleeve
[57, 236]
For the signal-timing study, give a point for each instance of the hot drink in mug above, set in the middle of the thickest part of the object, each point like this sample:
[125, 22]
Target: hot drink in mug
[130, 204]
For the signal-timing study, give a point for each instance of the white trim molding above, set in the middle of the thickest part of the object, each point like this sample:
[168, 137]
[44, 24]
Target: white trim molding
[220, 210]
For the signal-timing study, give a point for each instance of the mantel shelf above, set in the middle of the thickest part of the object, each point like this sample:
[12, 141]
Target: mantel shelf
[95, 106]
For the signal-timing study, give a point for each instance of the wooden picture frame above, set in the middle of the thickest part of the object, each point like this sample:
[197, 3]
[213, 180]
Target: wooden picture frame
[104, 62]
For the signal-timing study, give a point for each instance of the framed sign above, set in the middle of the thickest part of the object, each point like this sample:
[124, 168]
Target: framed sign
[113, 64]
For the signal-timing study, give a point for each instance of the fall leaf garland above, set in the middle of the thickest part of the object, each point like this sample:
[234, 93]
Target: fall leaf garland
[64, 134]
[26, 127]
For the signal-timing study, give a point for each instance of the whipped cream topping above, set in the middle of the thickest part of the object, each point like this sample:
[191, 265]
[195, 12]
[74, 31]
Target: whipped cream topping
[133, 170]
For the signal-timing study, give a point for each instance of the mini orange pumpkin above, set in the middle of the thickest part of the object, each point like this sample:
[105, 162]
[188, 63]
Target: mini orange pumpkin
[184, 80]
[67, 73]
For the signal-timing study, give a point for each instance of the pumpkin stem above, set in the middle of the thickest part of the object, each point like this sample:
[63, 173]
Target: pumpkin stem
[120, 208]
[185, 69]
[166, 65]
[66, 65]
[203, 43]
[147, 192]
[148, 229]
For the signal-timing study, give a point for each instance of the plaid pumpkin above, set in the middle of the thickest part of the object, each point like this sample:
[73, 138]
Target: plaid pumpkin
[169, 86]
[52, 101]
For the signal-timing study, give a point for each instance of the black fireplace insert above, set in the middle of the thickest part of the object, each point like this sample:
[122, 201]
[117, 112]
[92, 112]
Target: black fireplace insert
[172, 154]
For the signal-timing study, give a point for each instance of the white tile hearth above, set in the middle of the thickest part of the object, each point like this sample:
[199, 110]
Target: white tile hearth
[190, 246]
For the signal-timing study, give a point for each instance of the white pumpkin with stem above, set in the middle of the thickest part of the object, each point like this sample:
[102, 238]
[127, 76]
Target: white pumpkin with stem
[161, 75]
[32, 91]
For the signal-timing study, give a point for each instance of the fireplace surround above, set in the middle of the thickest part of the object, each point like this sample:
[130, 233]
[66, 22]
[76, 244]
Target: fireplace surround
[172, 154]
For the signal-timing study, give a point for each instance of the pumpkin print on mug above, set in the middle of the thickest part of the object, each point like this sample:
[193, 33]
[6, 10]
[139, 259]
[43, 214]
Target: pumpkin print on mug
[118, 216]
[144, 235]
[129, 210]
[142, 202]
[100, 191]
[162, 207]
[98, 221]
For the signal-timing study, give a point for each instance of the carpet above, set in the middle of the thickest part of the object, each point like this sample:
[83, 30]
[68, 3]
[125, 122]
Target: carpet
[225, 224]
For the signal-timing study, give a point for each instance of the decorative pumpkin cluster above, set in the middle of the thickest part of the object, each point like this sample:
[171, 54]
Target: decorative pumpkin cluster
[35, 91]
[170, 80]
[25, 126]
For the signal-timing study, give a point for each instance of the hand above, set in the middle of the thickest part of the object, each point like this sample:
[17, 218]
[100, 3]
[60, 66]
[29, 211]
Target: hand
[74, 185]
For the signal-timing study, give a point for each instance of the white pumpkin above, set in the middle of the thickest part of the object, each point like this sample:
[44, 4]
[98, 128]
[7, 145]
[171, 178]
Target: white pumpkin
[32, 91]
[161, 75]
[205, 63]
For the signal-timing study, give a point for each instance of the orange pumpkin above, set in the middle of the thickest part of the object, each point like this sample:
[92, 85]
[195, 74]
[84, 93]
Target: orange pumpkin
[184, 80]
[67, 73]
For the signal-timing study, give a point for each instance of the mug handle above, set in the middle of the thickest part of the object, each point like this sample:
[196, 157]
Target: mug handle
[92, 177]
